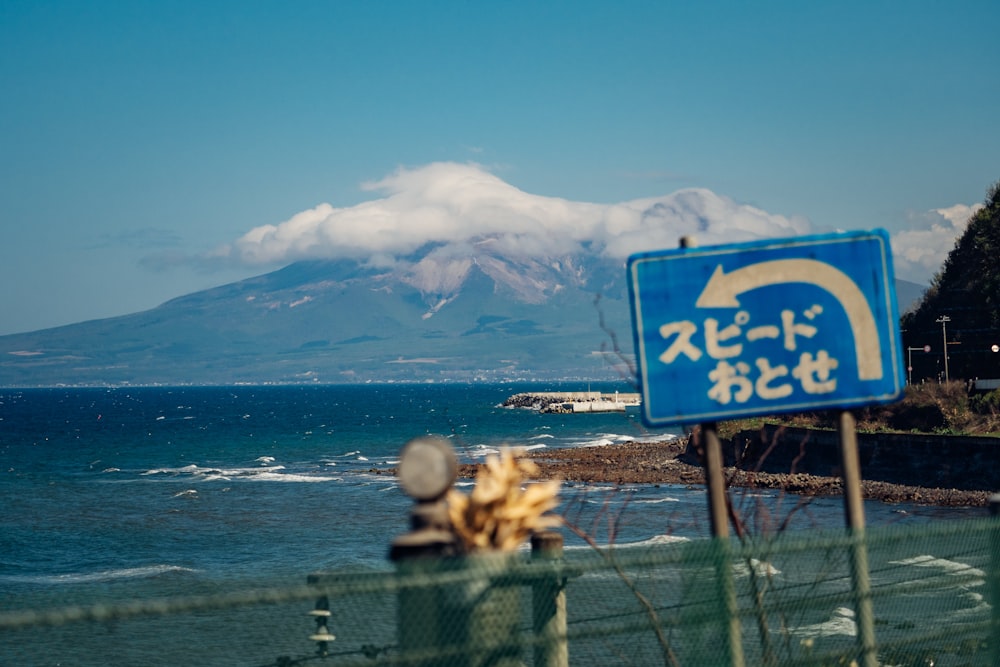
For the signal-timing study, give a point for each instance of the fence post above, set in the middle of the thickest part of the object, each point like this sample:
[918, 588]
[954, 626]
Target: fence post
[855, 515]
[994, 578]
[548, 602]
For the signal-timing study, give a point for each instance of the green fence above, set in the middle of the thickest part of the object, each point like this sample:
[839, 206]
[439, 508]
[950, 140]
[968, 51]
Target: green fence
[931, 591]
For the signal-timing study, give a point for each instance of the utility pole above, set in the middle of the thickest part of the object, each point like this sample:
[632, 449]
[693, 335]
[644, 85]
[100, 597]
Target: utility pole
[944, 319]
[909, 361]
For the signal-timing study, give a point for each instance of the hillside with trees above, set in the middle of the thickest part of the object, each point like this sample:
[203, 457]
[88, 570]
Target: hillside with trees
[962, 305]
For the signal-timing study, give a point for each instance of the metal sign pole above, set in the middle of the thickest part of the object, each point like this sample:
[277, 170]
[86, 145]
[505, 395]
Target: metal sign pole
[855, 514]
[715, 481]
[719, 516]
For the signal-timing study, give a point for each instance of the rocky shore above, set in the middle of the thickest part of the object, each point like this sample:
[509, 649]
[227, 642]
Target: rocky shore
[671, 462]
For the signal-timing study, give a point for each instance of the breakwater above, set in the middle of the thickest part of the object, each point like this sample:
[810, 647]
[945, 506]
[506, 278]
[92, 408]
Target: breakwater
[573, 401]
[968, 463]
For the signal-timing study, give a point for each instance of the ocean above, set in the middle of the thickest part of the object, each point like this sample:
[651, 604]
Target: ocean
[112, 494]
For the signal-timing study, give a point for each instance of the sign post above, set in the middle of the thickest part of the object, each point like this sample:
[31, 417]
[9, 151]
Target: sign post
[766, 327]
[718, 512]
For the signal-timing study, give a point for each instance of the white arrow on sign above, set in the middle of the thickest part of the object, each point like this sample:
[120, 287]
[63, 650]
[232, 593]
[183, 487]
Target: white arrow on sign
[722, 289]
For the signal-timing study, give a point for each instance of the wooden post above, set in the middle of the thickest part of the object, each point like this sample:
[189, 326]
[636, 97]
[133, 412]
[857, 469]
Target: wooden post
[719, 514]
[855, 514]
[548, 601]
[715, 481]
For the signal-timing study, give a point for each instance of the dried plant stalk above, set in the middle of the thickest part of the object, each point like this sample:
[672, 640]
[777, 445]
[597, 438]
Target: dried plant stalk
[501, 512]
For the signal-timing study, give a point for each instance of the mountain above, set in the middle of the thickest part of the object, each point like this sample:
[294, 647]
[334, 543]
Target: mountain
[908, 295]
[434, 316]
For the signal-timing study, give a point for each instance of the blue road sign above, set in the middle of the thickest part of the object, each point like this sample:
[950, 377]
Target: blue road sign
[766, 327]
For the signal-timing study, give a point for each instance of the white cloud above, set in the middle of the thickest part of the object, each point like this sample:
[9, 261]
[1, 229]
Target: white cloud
[458, 204]
[921, 251]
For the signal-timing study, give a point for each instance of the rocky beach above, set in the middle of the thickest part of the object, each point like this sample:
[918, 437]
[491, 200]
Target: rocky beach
[674, 462]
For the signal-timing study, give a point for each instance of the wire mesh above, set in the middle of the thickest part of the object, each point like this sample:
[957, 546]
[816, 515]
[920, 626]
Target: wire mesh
[652, 605]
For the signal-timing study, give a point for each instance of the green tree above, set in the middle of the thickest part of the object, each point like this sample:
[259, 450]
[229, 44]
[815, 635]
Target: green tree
[967, 292]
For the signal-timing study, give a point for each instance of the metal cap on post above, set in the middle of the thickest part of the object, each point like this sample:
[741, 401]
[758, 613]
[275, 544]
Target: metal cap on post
[427, 469]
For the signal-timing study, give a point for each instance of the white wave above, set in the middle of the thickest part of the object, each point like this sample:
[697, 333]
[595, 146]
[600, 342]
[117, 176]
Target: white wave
[543, 436]
[171, 471]
[978, 605]
[608, 439]
[601, 442]
[102, 576]
[189, 493]
[208, 474]
[948, 567]
[841, 623]
[265, 459]
[244, 472]
[592, 488]
[655, 541]
[285, 477]
[112, 470]
[760, 568]
[656, 501]
[657, 438]
[362, 458]
[482, 451]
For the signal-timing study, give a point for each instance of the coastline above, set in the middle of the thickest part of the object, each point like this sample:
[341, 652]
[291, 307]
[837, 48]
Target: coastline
[670, 462]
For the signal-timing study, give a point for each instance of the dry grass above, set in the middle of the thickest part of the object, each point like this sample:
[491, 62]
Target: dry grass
[946, 408]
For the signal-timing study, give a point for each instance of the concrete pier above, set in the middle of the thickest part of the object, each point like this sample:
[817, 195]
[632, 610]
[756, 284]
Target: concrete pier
[574, 401]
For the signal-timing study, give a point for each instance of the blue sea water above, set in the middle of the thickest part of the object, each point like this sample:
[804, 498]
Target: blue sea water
[138, 492]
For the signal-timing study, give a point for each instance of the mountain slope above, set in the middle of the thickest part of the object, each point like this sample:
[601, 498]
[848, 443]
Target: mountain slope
[435, 315]
[336, 321]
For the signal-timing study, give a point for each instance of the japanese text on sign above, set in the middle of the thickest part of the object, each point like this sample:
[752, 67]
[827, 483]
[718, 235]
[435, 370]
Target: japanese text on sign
[738, 381]
[765, 327]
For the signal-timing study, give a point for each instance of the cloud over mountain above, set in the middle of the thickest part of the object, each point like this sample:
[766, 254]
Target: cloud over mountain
[456, 205]
[920, 252]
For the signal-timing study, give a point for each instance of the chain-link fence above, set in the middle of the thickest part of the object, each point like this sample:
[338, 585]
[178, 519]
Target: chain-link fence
[785, 600]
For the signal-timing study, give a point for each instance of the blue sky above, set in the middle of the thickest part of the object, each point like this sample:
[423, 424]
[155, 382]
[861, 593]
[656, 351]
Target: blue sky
[152, 149]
